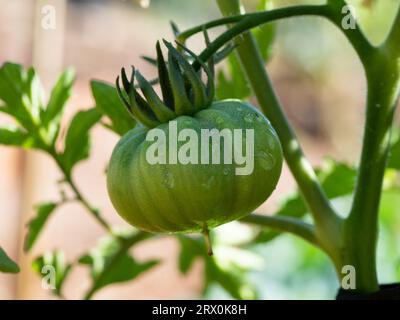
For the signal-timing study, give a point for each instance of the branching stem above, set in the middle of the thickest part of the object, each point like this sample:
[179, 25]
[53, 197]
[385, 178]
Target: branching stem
[79, 196]
[285, 224]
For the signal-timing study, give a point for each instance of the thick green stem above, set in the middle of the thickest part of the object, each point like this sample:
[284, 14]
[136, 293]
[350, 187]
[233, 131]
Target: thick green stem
[250, 21]
[361, 228]
[353, 241]
[285, 224]
[355, 36]
[393, 41]
[327, 223]
[244, 22]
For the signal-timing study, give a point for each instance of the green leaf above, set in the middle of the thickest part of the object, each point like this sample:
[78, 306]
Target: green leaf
[231, 279]
[331, 172]
[6, 264]
[36, 225]
[190, 250]
[77, 140]
[232, 84]
[14, 137]
[53, 267]
[109, 103]
[111, 263]
[228, 276]
[21, 94]
[60, 94]
[328, 174]
[21, 97]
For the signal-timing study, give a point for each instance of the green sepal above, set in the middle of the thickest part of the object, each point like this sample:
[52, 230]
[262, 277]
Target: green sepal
[137, 106]
[162, 112]
[197, 86]
[181, 99]
[210, 83]
[165, 85]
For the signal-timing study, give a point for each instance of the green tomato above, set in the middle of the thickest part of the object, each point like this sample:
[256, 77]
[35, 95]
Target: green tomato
[169, 175]
[176, 197]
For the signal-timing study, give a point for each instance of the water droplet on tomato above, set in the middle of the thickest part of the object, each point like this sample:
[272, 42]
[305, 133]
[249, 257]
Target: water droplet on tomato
[266, 160]
[219, 121]
[169, 180]
[271, 143]
[209, 183]
[226, 171]
[259, 118]
[249, 118]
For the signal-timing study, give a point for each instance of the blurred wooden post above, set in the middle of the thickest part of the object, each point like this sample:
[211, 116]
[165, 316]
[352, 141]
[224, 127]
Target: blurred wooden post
[47, 58]
[16, 30]
[48, 41]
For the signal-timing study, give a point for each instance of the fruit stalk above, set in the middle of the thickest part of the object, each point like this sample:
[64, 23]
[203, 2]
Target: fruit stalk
[207, 239]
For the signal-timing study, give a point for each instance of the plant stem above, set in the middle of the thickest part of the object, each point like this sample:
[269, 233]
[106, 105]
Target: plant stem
[361, 228]
[327, 222]
[393, 41]
[285, 224]
[87, 205]
[355, 36]
[245, 22]
[79, 197]
[256, 19]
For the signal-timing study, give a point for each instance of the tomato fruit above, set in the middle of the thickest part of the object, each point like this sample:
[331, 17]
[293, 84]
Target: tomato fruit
[191, 197]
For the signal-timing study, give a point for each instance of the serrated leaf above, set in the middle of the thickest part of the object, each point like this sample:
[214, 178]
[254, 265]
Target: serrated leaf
[110, 262]
[109, 103]
[232, 280]
[232, 84]
[6, 264]
[59, 96]
[13, 137]
[190, 250]
[21, 94]
[77, 140]
[331, 172]
[54, 269]
[36, 225]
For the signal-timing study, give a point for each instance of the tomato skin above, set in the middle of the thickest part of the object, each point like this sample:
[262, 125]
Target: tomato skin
[174, 198]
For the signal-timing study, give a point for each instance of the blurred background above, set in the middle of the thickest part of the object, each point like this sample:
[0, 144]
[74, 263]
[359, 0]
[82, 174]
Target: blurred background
[317, 76]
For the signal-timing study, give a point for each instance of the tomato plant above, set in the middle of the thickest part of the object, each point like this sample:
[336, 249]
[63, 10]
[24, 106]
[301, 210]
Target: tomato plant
[190, 196]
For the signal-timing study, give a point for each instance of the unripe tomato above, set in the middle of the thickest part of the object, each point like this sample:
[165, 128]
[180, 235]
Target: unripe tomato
[186, 197]
[190, 194]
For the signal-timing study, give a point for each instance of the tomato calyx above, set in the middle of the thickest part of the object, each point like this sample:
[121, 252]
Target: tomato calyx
[183, 91]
